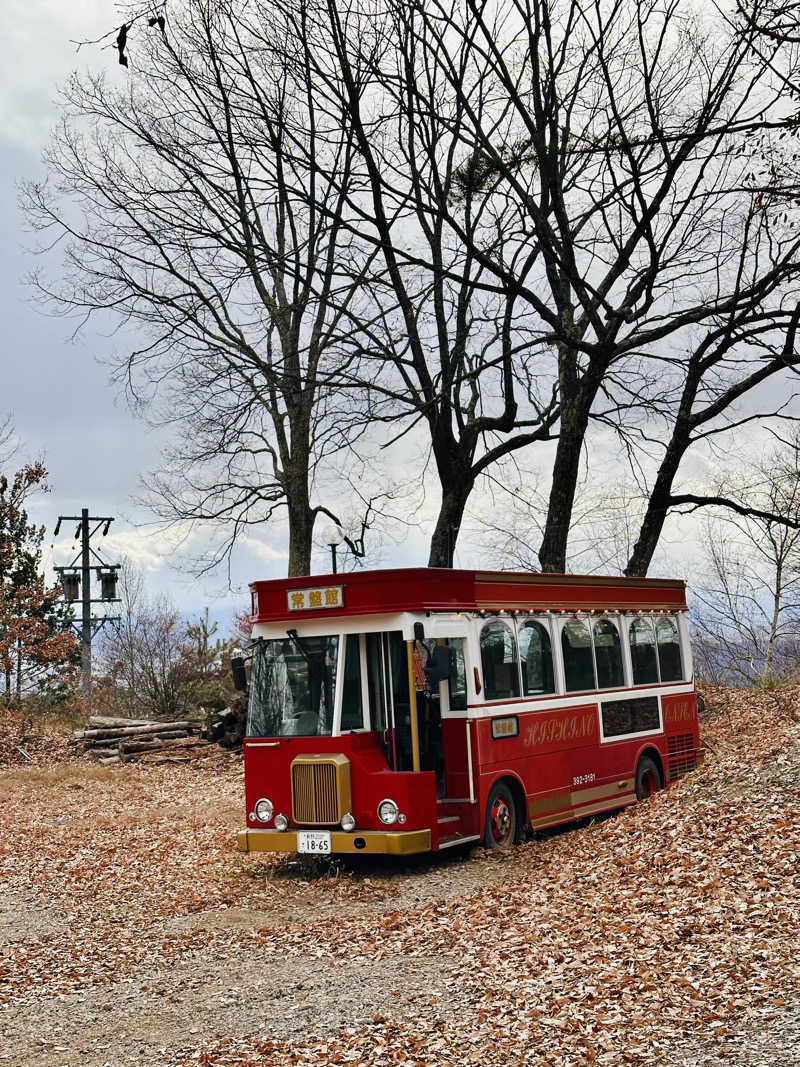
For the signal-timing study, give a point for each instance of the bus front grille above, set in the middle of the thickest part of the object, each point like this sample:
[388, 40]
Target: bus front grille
[320, 789]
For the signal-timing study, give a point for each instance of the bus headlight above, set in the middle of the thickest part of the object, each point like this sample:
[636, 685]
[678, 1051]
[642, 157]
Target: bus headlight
[348, 822]
[388, 812]
[263, 810]
[281, 822]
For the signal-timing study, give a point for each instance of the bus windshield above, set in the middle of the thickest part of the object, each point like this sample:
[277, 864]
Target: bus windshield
[292, 684]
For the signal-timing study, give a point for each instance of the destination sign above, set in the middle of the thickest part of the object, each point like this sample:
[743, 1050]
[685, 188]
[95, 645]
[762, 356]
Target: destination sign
[330, 596]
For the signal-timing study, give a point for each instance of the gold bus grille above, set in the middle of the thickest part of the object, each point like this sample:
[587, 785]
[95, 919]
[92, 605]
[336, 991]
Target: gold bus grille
[320, 789]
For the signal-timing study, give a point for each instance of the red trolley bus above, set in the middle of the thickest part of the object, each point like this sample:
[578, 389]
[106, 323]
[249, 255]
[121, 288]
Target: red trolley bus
[402, 711]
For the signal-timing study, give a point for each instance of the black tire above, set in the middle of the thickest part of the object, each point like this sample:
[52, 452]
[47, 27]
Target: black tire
[500, 821]
[648, 778]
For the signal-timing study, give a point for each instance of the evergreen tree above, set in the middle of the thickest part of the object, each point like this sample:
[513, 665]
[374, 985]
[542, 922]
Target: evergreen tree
[35, 643]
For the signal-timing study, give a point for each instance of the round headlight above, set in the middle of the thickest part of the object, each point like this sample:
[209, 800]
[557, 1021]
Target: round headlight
[281, 823]
[263, 810]
[388, 812]
[348, 822]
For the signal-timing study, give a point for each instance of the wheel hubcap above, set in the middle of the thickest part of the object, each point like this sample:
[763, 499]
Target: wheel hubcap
[501, 821]
[648, 784]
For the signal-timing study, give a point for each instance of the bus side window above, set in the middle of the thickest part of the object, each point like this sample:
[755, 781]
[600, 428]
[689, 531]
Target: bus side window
[608, 655]
[352, 710]
[499, 662]
[643, 652]
[669, 650]
[576, 647]
[536, 659]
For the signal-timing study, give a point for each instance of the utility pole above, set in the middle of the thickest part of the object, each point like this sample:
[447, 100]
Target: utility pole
[73, 576]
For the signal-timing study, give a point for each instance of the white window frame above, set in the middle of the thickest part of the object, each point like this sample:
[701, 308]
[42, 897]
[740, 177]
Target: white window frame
[681, 648]
[630, 620]
[546, 622]
[578, 616]
[614, 620]
[508, 622]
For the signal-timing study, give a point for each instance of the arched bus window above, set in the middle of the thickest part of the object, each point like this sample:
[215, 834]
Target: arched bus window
[536, 659]
[669, 650]
[499, 661]
[643, 652]
[608, 655]
[576, 648]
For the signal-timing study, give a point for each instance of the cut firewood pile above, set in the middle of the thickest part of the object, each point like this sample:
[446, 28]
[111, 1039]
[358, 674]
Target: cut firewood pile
[116, 740]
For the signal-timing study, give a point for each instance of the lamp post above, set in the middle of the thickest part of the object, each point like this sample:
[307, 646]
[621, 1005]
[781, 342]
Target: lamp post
[333, 538]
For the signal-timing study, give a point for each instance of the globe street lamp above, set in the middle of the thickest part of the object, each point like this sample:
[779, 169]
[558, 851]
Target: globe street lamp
[333, 538]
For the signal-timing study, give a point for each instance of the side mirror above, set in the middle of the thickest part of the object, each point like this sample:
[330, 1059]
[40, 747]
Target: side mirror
[239, 674]
[419, 631]
[440, 667]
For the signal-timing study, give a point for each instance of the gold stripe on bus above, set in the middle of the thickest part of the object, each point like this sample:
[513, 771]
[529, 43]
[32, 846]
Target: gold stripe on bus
[563, 801]
[594, 809]
[549, 804]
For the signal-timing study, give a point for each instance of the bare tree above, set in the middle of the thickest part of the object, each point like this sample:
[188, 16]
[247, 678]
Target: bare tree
[631, 241]
[182, 218]
[748, 611]
[144, 659]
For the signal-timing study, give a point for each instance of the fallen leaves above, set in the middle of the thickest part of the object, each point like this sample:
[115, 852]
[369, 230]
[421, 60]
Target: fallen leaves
[675, 920]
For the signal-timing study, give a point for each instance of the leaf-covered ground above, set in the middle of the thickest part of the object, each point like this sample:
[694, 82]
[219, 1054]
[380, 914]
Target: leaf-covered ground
[132, 932]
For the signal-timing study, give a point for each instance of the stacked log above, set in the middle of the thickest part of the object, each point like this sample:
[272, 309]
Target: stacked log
[115, 740]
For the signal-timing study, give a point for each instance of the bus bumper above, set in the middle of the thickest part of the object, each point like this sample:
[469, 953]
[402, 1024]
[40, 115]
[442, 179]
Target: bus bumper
[370, 842]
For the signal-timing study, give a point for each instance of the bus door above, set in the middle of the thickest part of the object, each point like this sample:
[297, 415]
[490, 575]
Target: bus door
[389, 706]
[441, 713]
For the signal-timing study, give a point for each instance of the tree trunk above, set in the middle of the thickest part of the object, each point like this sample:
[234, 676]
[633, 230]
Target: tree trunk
[456, 488]
[296, 477]
[572, 433]
[657, 508]
[301, 528]
[773, 629]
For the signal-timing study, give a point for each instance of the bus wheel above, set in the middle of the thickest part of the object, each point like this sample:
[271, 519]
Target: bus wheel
[648, 778]
[500, 826]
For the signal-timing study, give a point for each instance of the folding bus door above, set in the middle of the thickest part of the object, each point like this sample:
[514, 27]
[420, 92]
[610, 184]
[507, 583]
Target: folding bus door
[390, 710]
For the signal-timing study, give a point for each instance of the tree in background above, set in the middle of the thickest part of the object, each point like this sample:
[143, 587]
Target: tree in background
[36, 645]
[747, 612]
[182, 214]
[652, 275]
[156, 665]
[500, 222]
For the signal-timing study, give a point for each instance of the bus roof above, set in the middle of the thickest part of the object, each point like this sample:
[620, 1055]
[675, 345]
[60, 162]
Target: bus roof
[430, 589]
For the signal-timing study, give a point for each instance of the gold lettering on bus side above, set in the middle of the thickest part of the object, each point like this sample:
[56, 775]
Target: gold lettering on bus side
[678, 712]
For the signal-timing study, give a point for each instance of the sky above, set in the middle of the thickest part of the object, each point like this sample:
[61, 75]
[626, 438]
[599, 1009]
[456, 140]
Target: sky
[57, 387]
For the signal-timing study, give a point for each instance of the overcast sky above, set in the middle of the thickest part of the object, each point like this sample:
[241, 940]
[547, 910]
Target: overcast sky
[57, 390]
